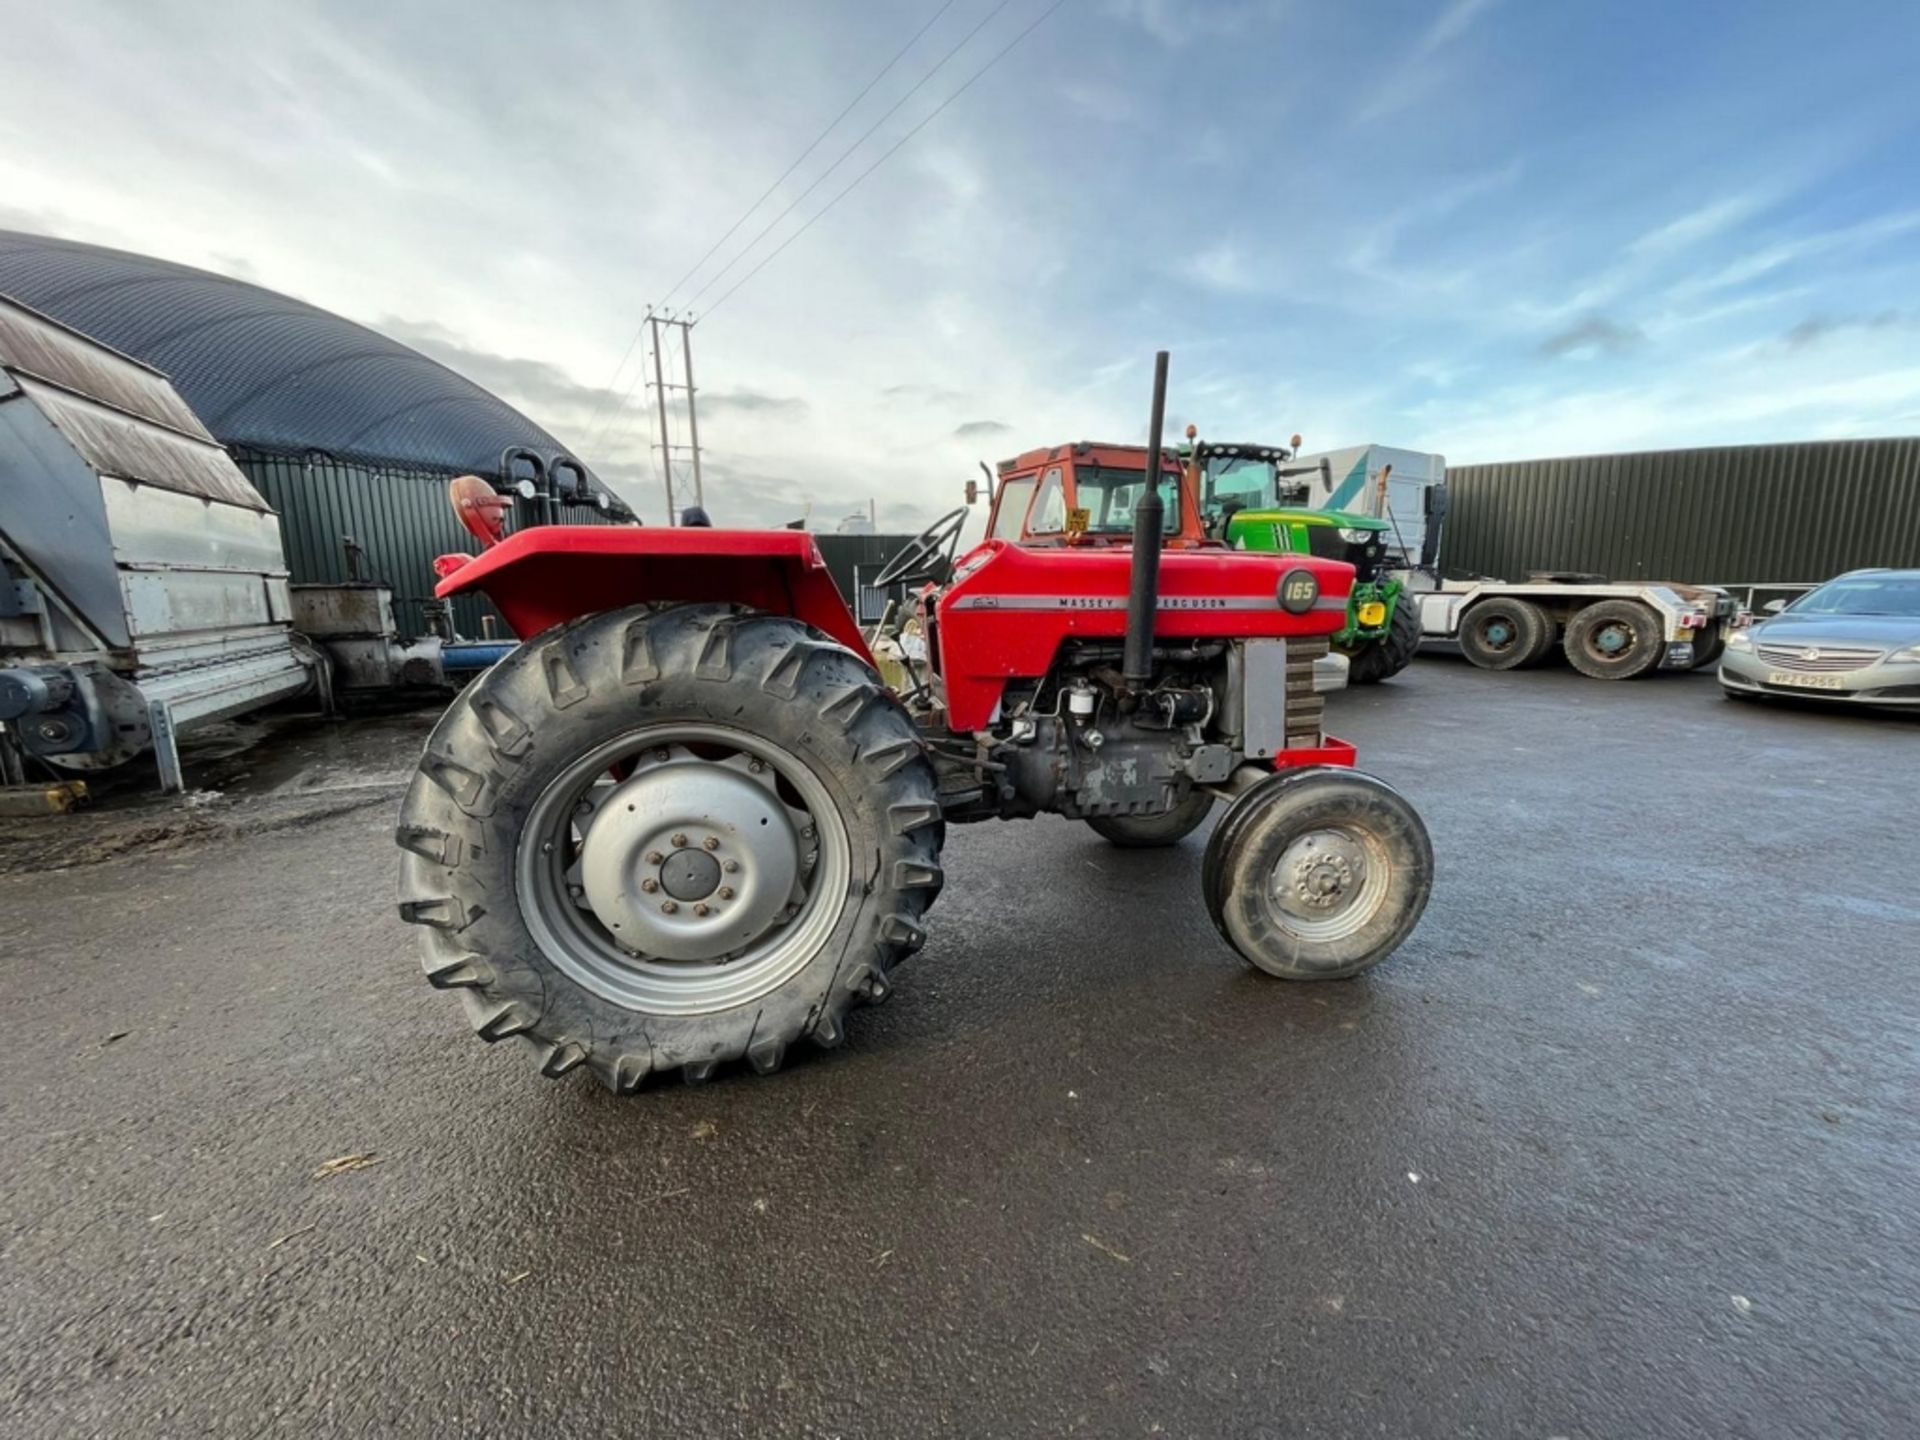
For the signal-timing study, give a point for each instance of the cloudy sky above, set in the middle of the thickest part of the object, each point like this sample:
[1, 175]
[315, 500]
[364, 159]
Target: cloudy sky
[1493, 228]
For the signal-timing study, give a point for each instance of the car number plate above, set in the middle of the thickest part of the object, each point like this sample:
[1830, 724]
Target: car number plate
[1805, 682]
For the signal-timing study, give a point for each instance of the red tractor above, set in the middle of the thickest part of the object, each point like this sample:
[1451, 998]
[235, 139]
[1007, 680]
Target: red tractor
[685, 823]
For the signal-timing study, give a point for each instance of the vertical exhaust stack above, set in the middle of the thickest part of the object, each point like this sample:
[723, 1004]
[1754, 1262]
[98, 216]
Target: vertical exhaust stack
[1149, 517]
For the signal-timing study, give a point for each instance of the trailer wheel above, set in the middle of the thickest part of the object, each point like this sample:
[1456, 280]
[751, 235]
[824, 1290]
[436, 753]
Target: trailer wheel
[1147, 832]
[1392, 652]
[1317, 874]
[1505, 634]
[661, 839]
[1614, 640]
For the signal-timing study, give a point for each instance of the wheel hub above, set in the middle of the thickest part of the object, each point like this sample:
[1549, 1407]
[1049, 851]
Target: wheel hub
[690, 875]
[689, 860]
[1320, 874]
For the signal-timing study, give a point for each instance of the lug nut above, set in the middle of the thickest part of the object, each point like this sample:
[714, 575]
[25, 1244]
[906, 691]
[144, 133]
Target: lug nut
[725, 892]
[756, 766]
[575, 891]
[701, 909]
[680, 842]
[663, 753]
[649, 886]
[807, 833]
[654, 857]
[710, 843]
[731, 866]
[668, 907]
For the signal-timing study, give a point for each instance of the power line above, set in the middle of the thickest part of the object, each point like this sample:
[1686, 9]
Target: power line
[888, 155]
[879, 75]
[634, 339]
[839, 160]
[747, 249]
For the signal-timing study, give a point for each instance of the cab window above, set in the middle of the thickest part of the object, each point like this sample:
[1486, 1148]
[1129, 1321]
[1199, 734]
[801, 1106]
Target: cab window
[1050, 507]
[1110, 494]
[1014, 495]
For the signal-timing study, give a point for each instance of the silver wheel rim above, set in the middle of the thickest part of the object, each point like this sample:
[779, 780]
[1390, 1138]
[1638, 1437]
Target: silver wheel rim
[1329, 883]
[683, 869]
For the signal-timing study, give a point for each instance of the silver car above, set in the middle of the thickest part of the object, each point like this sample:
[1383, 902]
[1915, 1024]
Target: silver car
[1855, 639]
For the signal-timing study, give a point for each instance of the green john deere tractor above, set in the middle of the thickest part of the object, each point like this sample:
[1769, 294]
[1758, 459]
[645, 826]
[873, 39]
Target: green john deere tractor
[1254, 499]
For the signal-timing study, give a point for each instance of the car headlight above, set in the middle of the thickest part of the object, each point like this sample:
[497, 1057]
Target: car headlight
[1910, 654]
[1740, 640]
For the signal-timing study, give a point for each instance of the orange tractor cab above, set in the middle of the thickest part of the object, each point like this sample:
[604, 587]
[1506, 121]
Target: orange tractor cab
[685, 823]
[1087, 494]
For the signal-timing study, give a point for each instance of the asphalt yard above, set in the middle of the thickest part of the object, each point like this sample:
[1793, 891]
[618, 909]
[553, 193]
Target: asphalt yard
[1624, 1142]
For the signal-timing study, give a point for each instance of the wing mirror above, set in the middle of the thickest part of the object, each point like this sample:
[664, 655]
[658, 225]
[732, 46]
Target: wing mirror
[973, 486]
[1774, 607]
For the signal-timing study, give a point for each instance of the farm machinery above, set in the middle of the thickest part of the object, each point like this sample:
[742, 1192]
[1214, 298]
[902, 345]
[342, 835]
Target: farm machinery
[1247, 497]
[685, 823]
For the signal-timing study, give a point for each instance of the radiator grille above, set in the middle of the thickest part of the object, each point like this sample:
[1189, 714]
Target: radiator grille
[1304, 708]
[1821, 659]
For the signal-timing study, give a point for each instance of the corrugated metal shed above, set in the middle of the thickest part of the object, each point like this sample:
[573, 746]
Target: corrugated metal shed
[1734, 515]
[400, 519]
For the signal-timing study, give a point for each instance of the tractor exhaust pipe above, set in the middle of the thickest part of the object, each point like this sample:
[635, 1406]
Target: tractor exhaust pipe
[1149, 518]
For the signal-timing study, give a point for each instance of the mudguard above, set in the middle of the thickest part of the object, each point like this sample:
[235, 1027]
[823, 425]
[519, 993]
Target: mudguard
[550, 574]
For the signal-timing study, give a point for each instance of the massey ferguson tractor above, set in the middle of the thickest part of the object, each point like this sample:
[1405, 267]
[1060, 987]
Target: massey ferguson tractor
[685, 823]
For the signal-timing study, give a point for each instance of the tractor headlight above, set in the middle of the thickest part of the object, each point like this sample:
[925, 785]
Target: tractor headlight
[1739, 640]
[1299, 591]
[1355, 537]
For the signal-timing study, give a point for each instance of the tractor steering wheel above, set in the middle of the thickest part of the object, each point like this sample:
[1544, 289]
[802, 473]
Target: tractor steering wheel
[925, 557]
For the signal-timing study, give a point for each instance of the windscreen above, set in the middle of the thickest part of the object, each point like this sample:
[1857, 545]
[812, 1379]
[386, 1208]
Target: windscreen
[1109, 494]
[1236, 480]
[1863, 595]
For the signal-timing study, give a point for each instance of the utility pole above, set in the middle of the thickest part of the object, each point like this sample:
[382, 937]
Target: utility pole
[660, 386]
[693, 424]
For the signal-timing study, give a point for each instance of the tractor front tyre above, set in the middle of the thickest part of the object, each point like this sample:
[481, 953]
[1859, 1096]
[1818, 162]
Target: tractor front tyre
[1505, 634]
[1147, 832]
[1390, 653]
[1614, 640]
[663, 839]
[1317, 874]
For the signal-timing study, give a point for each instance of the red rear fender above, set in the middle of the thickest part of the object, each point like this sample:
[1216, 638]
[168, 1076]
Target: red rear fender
[545, 576]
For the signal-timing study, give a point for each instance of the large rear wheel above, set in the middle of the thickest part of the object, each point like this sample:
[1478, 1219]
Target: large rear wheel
[662, 839]
[1317, 874]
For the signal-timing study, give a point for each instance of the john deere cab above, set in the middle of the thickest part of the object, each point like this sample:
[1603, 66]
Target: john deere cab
[1260, 498]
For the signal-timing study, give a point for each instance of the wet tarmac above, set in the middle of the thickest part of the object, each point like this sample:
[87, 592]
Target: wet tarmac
[1625, 1142]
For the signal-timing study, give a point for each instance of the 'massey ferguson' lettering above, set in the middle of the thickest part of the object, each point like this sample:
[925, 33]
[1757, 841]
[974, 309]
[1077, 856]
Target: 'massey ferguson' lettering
[1248, 603]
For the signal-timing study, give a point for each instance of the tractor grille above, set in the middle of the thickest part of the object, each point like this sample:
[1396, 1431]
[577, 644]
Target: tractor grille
[1824, 659]
[1304, 708]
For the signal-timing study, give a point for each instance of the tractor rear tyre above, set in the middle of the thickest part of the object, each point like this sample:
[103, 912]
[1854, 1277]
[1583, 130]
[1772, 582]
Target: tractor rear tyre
[1392, 652]
[1317, 874]
[1147, 832]
[1505, 634]
[665, 838]
[1614, 640]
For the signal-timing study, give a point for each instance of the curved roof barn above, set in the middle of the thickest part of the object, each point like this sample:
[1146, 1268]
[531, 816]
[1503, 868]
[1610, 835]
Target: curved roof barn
[266, 371]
